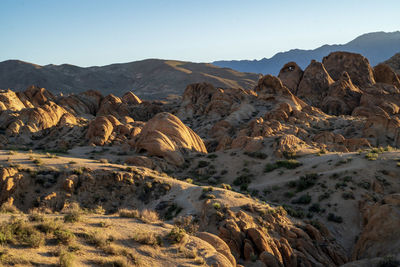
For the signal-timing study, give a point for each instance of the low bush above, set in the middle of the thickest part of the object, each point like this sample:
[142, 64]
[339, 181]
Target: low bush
[18, 232]
[64, 236]
[147, 238]
[303, 200]
[177, 234]
[288, 164]
[258, 155]
[335, 218]
[306, 181]
[66, 258]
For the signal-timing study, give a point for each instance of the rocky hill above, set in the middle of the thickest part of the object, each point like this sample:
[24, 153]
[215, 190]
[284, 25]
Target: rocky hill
[394, 63]
[150, 79]
[376, 47]
[302, 170]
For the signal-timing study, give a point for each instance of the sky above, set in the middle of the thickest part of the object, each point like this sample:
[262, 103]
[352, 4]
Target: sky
[100, 32]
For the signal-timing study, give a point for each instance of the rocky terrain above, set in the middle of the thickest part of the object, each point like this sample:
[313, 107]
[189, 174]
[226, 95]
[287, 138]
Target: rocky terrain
[301, 170]
[150, 79]
[394, 63]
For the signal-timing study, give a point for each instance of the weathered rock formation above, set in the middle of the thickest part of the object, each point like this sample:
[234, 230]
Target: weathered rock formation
[166, 136]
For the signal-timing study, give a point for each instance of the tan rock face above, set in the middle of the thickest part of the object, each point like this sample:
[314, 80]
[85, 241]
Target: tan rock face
[9, 179]
[282, 245]
[99, 130]
[355, 65]
[43, 117]
[218, 244]
[383, 73]
[270, 86]
[166, 136]
[196, 98]
[85, 103]
[131, 99]
[380, 234]
[112, 105]
[36, 95]
[291, 75]
[10, 101]
[342, 98]
[314, 85]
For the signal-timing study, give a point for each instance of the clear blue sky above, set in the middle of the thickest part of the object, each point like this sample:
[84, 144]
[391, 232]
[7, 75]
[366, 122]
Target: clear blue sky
[98, 32]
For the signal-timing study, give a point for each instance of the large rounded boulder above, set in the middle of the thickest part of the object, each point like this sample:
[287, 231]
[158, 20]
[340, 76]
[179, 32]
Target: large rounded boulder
[166, 136]
[357, 66]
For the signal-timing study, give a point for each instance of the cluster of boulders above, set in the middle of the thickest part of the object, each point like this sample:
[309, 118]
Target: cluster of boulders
[39, 115]
[258, 232]
[300, 109]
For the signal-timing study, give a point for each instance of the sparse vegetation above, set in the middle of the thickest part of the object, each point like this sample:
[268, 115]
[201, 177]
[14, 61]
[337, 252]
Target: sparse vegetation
[18, 232]
[371, 156]
[303, 200]
[147, 238]
[202, 164]
[63, 236]
[147, 216]
[258, 155]
[66, 258]
[388, 261]
[334, 218]
[288, 164]
[177, 234]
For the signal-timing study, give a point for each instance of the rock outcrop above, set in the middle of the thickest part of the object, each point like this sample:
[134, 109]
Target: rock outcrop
[166, 136]
[383, 73]
[314, 85]
[357, 66]
[291, 75]
[36, 95]
[10, 101]
[99, 131]
[342, 97]
[380, 235]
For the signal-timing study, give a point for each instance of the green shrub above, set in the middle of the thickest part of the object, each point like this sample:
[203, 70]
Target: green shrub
[258, 155]
[243, 179]
[202, 164]
[371, 156]
[73, 216]
[18, 232]
[294, 212]
[177, 234]
[288, 164]
[36, 217]
[325, 195]
[147, 238]
[388, 261]
[289, 154]
[314, 208]
[348, 195]
[303, 200]
[66, 258]
[64, 237]
[48, 226]
[172, 211]
[216, 206]
[269, 167]
[335, 218]
[306, 181]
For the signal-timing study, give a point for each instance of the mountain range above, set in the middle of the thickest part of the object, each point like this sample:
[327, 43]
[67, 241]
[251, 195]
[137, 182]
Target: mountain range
[376, 46]
[149, 79]
[157, 78]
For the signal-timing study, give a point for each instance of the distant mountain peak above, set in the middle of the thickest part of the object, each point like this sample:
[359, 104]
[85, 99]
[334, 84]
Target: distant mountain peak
[376, 46]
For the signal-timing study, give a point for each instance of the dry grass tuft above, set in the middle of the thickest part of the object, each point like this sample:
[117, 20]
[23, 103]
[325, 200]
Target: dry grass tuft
[147, 216]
